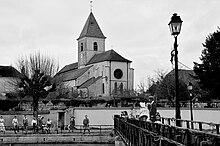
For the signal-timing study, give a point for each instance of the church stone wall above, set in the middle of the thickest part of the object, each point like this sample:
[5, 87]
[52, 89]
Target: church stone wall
[119, 65]
[84, 77]
[131, 79]
[95, 89]
[88, 50]
[71, 83]
[100, 42]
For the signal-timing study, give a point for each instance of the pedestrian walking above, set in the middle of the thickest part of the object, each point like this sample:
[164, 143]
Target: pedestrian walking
[86, 124]
[25, 124]
[2, 125]
[15, 124]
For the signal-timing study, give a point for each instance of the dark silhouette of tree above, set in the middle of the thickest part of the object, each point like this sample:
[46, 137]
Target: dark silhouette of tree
[36, 77]
[208, 72]
[166, 90]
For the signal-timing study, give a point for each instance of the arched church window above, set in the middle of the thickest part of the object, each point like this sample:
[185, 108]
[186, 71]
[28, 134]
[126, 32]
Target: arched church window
[95, 46]
[81, 46]
[121, 88]
[115, 88]
[103, 88]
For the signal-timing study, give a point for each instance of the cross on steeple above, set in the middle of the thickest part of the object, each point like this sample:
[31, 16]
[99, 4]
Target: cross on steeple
[91, 5]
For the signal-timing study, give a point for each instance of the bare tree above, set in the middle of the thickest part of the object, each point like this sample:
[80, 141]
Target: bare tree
[37, 71]
[143, 85]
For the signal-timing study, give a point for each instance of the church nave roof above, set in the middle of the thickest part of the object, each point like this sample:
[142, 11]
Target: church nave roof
[109, 55]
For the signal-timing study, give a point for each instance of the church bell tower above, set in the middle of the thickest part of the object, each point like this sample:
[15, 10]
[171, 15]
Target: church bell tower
[90, 42]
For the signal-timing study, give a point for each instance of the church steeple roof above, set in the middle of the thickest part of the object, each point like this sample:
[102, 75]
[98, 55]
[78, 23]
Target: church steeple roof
[91, 28]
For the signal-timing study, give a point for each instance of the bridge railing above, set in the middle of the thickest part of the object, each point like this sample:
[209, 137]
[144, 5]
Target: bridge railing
[77, 129]
[134, 135]
[197, 125]
[180, 135]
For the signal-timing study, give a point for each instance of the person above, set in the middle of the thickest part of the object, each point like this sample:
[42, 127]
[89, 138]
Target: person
[124, 114]
[152, 109]
[86, 124]
[41, 123]
[144, 112]
[25, 124]
[72, 123]
[2, 125]
[15, 124]
[49, 123]
[158, 118]
[34, 124]
[133, 113]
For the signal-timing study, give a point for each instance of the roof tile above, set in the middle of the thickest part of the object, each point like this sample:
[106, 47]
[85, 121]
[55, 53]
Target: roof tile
[91, 28]
[110, 55]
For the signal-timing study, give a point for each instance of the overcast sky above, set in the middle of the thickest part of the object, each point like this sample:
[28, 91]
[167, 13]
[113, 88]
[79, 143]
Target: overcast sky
[136, 29]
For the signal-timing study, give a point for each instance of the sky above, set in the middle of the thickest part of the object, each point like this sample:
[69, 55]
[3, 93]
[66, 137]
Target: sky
[136, 29]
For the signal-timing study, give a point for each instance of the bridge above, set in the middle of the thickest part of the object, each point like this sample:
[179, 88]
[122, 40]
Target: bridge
[146, 133]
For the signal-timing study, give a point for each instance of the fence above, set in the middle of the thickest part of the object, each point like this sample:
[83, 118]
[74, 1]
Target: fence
[77, 129]
[134, 135]
[141, 132]
[197, 125]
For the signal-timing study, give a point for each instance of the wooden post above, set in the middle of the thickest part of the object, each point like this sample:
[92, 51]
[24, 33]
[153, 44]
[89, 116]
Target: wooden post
[200, 126]
[187, 124]
[217, 128]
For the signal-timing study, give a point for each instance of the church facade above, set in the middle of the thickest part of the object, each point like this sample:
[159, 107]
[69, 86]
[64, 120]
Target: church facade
[98, 72]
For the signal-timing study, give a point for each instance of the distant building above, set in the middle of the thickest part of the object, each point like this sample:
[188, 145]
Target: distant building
[8, 76]
[184, 75]
[98, 72]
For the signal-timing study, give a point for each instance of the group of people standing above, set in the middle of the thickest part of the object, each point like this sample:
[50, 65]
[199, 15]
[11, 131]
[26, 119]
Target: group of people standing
[148, 111]
[35, 123]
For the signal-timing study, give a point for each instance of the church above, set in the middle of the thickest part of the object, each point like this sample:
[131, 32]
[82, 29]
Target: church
[98, 73]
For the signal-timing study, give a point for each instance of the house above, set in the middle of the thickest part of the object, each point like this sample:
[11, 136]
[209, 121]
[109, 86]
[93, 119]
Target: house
[8, 77]
[187, 76]
[98, 72]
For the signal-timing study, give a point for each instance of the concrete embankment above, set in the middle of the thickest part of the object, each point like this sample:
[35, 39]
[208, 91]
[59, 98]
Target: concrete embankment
[92, 138]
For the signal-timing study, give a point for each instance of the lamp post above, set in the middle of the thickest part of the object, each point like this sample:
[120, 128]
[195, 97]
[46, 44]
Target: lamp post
[175, 28]
[190, 87]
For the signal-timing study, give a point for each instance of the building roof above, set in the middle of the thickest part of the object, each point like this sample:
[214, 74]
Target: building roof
[109, 55]
[91, 28]
[89, 82]
[185, 75]
[69, 67]
[8, 71]
[71, 74]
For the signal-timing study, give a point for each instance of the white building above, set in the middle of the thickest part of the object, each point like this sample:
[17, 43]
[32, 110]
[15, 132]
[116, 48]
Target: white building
[98, 72]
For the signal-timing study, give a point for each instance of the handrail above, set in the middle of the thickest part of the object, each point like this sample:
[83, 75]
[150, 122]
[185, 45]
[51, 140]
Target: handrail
[179, 134]
[9, 130]
[201, 123]
[134, 135]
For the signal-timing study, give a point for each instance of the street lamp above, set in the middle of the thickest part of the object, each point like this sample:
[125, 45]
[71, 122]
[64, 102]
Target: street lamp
[190, 87]
[175, 28]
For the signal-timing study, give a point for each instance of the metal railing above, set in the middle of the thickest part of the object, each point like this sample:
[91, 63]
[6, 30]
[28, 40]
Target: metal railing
[134, 135]
[197, 125]
[77, 129]
[133, 130]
